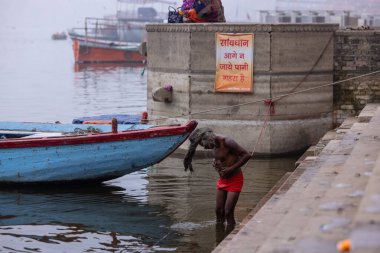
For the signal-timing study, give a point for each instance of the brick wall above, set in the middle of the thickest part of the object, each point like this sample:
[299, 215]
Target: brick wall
[357, 52]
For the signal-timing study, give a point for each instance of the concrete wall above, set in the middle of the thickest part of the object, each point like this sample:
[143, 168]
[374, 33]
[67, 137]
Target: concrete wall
[287, 58]
[357, 52]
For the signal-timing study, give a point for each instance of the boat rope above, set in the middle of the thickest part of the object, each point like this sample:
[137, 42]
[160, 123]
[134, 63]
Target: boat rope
[276, 98]
[303, 79]
[313, 67]
[270, 110]
[171, 230]
[270, 102]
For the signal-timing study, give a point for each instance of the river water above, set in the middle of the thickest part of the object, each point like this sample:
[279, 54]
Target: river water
[158, 209]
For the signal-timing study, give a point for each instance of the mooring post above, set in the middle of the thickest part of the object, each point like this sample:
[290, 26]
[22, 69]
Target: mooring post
[114, 125]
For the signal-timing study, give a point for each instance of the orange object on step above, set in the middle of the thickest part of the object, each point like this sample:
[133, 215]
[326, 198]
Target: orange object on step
[344, 246]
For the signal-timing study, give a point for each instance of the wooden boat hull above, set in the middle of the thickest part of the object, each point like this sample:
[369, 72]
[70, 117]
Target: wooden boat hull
[93, 157]
[100, 53]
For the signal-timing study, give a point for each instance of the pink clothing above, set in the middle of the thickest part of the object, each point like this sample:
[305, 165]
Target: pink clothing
[187, 5]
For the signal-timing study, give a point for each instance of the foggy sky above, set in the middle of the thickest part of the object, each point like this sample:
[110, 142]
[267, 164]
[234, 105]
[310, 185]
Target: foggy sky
[60, 15]
[241, 8]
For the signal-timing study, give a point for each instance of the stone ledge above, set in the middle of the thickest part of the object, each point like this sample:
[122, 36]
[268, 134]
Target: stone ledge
[240, 27]
[367, 113]
[358, 33]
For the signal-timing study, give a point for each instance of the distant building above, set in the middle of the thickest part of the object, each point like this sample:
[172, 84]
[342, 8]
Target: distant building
[347, 13]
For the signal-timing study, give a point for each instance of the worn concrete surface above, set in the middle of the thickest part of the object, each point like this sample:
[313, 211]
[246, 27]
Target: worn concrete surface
[287, 58]
[335, 197]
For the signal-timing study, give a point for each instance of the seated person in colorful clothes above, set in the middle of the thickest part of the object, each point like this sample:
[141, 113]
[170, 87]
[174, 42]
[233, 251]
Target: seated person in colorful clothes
[204, 11]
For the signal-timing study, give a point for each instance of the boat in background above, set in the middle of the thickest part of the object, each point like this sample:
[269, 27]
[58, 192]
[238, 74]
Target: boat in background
[71, 153]
[59, 36]
[118, 38]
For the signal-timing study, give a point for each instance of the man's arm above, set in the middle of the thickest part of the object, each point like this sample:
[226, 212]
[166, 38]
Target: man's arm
[238, 150]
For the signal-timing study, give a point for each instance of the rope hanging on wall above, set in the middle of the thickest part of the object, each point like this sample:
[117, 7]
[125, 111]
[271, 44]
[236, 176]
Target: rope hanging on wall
[265, 99]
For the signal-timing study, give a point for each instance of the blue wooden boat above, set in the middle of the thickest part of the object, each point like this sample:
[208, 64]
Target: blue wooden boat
[42, 153]
[34, 128]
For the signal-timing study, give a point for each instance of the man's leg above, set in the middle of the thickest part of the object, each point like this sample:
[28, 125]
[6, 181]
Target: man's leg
[220, 204]
[229, 208]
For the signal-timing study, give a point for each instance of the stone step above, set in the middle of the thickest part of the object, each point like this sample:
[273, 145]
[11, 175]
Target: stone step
[367, 113]
[253, 226]
[365, 231]
[325, 218]
[290, 226]
[255, 232]
[369, 208]
[335, 134]
[279, 188]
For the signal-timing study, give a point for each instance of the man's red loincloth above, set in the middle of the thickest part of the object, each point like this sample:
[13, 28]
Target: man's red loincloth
[232, 184]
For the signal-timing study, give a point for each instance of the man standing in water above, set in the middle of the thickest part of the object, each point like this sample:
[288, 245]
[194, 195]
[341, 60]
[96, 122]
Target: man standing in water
[228, 159]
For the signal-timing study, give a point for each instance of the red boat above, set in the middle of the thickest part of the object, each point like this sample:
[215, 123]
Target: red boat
[117, 39]
[86, 51]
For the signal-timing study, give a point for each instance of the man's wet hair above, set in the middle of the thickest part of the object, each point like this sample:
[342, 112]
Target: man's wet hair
[195, 138]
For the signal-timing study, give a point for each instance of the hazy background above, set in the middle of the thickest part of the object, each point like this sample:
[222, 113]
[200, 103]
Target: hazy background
[60, 15]
[39, 80]
[52, 15]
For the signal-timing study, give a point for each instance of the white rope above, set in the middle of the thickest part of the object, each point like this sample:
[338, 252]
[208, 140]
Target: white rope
[273, 98]
[171, 230]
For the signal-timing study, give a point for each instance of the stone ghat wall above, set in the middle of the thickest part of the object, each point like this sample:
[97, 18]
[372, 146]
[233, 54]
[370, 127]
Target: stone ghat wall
[183, 57]
[356, 52]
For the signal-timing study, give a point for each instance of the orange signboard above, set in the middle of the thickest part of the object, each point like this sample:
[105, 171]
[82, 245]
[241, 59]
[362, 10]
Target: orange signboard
[234, 62]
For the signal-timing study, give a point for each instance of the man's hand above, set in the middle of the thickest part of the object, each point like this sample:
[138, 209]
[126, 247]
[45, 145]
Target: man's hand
[224, 172]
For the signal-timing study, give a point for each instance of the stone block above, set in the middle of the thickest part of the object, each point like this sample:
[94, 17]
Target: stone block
[287, 58]
[162, 56]
[347, 107]
[163, 94]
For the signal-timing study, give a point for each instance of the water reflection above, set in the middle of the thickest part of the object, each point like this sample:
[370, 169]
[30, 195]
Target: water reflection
[59, 238]
[189, 199]
[158, 209]
[110, 88]
[101, 207]
[51, 219]
[78, 67]
[50, 87]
